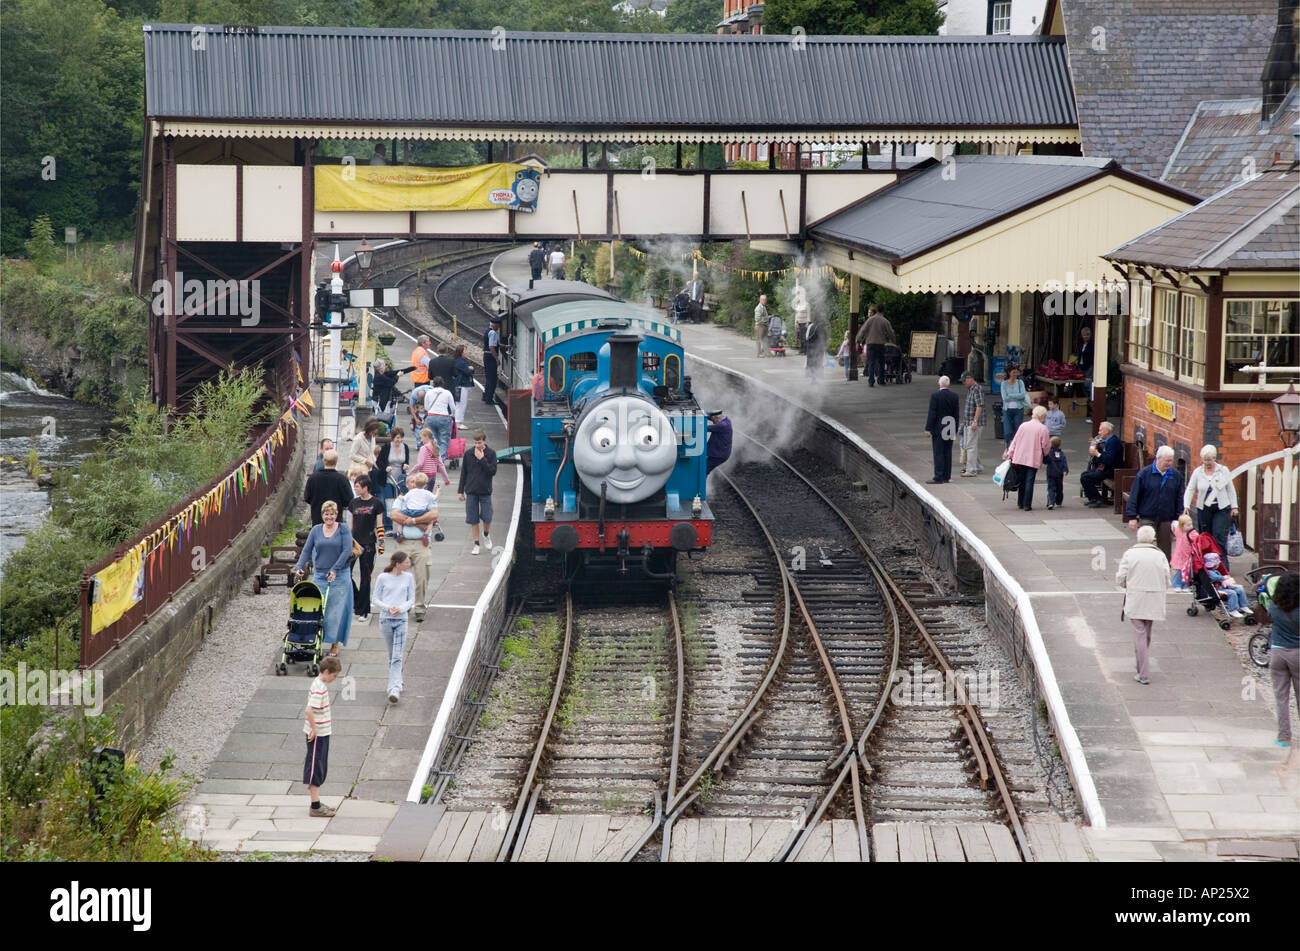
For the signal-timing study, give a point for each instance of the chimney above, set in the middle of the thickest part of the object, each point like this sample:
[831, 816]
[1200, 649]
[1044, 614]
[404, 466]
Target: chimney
[1280, 69]
[624, 361]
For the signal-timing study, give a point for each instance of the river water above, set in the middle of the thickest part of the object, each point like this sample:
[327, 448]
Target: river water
[62, 431]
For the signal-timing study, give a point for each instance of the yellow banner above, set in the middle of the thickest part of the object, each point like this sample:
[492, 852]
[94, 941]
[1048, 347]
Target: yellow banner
[120, 585]
[414, 188]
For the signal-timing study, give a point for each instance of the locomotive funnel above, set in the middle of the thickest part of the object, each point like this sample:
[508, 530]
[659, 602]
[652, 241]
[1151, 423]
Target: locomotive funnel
[624, 361]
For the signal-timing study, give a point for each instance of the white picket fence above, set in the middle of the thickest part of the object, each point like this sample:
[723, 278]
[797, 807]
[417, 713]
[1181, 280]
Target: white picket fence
[1267, 485]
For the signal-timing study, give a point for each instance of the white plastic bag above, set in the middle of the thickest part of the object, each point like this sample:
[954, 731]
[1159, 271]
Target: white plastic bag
[1001, 471]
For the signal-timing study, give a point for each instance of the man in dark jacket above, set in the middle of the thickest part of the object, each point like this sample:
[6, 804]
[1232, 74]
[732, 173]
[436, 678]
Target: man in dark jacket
[385, 384]
[443, 364]
[327, 485]
[876, 332]
[1108, 455]
[475, 488]
[719, 448]
[536, 261]
[941, 427]
[1157, 498]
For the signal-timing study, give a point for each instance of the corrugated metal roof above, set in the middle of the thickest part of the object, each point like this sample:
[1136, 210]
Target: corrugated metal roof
[544, 80]
[1251, 224]
[934, 205]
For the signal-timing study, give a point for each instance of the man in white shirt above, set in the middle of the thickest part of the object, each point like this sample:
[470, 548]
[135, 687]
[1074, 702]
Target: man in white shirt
[557, 264]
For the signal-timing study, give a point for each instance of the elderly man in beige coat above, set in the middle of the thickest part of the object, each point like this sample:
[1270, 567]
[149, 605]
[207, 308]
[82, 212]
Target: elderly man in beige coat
[1144, 576]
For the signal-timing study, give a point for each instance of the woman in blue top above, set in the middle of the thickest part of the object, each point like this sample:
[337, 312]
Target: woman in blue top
[1014, 398]
[328, 548]
[1284, 650]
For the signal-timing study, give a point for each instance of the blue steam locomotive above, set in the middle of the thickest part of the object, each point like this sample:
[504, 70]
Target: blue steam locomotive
[617, 437]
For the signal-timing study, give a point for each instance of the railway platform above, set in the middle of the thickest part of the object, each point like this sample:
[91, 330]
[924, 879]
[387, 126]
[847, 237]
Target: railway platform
[252, 798]
[1185, 768]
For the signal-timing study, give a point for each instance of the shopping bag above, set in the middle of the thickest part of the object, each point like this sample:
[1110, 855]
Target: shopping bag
[456, 448]
[1000, 473]
[1235, 544]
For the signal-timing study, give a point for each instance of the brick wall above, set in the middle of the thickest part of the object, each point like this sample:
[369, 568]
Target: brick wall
[1242, 431]
[1187, 431]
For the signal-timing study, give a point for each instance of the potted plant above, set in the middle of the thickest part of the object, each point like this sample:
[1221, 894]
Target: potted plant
[387, 339]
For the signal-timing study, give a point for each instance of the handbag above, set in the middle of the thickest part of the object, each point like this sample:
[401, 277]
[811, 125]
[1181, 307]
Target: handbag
[1000, 473]
[456, 448]
[1235, 544]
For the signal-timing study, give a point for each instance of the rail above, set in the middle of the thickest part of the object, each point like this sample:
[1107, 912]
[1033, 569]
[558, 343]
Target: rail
[139, 577]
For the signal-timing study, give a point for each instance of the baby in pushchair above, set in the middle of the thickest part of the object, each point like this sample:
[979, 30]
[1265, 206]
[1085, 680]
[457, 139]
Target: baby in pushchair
[776, 336]
[1233, 593]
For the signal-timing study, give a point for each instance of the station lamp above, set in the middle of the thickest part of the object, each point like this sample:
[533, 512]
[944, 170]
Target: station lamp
[365, 254]
[1287, 408]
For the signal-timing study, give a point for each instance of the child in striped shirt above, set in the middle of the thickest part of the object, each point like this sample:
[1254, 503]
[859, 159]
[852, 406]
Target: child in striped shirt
[317, 728]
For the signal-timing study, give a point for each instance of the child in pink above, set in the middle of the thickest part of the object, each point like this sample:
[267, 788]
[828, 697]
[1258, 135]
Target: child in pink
[1181, 562]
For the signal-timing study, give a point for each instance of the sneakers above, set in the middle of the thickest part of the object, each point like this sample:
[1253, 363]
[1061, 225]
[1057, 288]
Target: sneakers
[1236, 614]
[320, 812]
[393, 696]
[475, 549]
[1283, 743]
[419, 615]
[487, 542]
[1142, 680]
[1050, 506]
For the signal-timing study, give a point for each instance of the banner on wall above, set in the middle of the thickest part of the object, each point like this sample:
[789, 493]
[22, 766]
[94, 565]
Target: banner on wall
[416, 188]
[118, 587]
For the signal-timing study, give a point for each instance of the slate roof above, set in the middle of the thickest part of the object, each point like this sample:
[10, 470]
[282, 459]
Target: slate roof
[1161, 58]
[1251, 224]
[934, 205]
[589, 80]
[1221, 136]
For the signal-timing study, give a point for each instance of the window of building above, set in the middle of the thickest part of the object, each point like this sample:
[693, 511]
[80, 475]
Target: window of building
[1191, 349]
[1260, 332]
[1166, 330]
[1139, 323]
[999, 17]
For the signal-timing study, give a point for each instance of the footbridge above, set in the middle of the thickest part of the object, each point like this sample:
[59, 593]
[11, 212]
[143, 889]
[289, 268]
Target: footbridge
[261, 142]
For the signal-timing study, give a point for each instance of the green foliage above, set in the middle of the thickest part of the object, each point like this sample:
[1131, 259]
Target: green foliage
[692, 16]
[853, 17]
[40, 247]
[140, 474]
[47, 788]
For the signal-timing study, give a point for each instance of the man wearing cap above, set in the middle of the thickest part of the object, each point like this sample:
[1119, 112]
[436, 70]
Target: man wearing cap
[491, 351]
[972, 420]
[719, 448]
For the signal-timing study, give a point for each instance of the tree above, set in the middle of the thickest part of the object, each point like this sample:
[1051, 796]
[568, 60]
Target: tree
[692, 16]
[853, 17]
[41, 249]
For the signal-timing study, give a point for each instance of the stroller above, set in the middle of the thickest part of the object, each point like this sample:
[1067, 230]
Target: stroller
[776, 336]
[305, 635]
[681, 308]
[1204, 593]
[898, 368]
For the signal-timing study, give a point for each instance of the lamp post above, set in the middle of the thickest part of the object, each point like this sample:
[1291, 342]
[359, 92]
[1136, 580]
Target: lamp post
[365, 255]
[330, 390]
[1287, 408]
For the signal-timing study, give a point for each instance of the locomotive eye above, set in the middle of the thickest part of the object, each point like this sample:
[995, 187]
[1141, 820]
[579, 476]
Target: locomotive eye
[647, 437]
[603, 438]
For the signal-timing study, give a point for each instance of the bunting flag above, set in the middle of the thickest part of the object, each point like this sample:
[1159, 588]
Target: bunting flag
[123, 583]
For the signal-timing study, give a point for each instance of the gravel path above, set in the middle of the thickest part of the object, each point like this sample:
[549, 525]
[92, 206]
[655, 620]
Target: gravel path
[223, 673]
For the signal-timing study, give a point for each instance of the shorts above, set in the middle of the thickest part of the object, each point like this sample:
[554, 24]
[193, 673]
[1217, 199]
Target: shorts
[478, 508]
[317, 761]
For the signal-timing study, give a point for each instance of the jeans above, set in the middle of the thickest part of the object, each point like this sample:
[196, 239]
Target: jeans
[1025, 494]
[441, 426]
[1216, 521]
[394, 629]
[875, 363]
[972, 446]
[942, 458]
[1055, 490]
[1235, 598]
[1011, 419]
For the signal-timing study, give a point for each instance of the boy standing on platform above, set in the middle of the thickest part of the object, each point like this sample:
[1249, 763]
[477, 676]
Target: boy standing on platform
[317, 728]
[1057, 469]
[475, 489]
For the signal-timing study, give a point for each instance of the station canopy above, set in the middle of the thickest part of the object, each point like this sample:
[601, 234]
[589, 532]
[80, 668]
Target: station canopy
[988, 224]
[215, 81]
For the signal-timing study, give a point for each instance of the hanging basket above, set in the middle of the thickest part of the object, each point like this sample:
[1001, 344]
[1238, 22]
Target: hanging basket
[386, 339]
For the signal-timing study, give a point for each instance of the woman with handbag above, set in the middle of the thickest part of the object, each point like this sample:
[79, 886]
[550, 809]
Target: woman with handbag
[329, 549]
[393, 464]
[1211, 499]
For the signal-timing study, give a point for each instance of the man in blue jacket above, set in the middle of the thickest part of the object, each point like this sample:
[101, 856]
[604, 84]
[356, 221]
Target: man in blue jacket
[1108, 456]
[1156, 498]
[718, 450]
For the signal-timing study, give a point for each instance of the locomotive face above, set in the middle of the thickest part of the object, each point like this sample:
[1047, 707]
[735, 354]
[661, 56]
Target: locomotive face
[628, 444]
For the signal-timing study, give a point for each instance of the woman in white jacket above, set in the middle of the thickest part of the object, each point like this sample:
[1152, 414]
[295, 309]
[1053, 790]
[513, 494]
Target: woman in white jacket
[1211, 499]
[1144, 576]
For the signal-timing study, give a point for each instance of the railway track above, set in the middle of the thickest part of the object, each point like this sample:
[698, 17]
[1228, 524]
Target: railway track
[458, 298]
